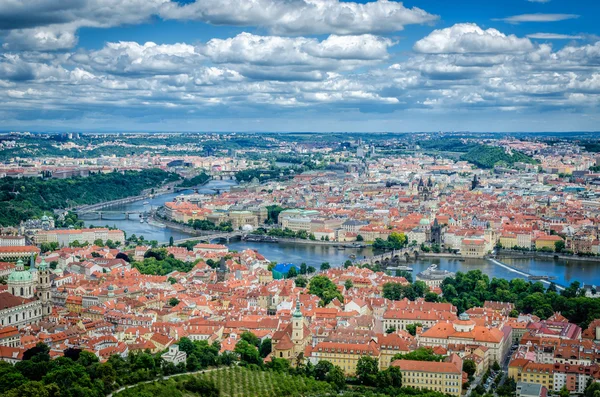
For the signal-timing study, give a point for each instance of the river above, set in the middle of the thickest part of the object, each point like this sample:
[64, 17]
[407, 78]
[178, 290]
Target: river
[564, 271]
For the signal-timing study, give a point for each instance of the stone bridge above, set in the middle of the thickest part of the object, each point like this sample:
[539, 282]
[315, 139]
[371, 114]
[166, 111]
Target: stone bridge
[390, 257]
[210, 237]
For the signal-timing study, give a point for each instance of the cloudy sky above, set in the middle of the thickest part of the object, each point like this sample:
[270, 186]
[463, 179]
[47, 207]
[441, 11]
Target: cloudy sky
[299, 65]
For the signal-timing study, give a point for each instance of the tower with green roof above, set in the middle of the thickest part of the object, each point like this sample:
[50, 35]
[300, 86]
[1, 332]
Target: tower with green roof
[43, 287]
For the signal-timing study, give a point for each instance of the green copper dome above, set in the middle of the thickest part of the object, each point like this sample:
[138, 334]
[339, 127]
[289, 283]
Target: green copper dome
[20, 276]
[43, 266]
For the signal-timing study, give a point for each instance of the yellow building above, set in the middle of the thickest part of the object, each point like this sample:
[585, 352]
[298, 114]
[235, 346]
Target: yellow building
[389, 346]
[290, 342]
[473, 247]
[74, 303]
[508, 240]
[344, 355]
[547, 242]
[443, 377]
[530, 372]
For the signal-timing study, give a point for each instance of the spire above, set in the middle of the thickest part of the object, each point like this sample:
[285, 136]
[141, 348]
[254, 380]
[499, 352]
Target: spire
[20, 266]
[43, 265]
[297, 312]
[31, 261]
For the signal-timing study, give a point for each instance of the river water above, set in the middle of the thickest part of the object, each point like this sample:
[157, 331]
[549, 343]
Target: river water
[564, 271]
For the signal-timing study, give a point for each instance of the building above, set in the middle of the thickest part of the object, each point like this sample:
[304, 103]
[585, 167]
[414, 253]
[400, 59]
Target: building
[434, 277]
[12, 241]
[290, 342]
[17, 252]
[64, 238]
[531, 390]
[443, 377]
[399, 319]
[344, 355]
[547, 241]
[174, 355]
[464, 332]
[18, 311]
[473, 247]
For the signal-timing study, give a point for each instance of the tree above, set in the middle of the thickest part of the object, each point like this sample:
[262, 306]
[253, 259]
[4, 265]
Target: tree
[470, 368]
[366, 370]
[300, 282]
[99, 242]
[390, 330]
[171, 241]
[325, 266]
[336, 377]
[322, 369]
[171, 280]
[564, 392]
[559, 246]
[412, 328]
[420, 354]
[265, 347]
[348, 284]
[303, 268]
[347, 264]
[325, 289]
[251, 338]
[431, 297]
[360, 238]
[311, 270]
[496, 366]
[173, 301]
[292, 272]
[391, 377]
[248, 353]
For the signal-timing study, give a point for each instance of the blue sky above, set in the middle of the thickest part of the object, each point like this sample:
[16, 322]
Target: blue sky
[299, 65]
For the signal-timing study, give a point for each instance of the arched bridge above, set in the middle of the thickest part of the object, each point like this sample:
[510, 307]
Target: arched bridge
[390, 256]
[111, 215]
[210, 237]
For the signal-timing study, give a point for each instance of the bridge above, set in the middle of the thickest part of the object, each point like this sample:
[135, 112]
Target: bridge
[223, 175]
[111, 215]
[96, 207]
[209, 237]
[393, 256]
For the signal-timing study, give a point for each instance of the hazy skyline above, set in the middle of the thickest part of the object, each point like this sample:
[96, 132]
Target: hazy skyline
[299, 65]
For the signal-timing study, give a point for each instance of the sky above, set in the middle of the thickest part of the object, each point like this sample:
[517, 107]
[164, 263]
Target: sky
[299, 65]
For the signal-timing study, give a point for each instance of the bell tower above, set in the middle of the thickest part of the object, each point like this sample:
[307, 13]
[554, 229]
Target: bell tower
[297, 324]
[43, 288]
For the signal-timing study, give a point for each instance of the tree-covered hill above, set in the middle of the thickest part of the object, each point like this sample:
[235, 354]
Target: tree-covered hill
[485, 156]
[25, 198]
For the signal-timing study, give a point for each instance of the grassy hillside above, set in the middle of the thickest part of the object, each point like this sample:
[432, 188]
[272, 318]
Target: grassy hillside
[233, 382]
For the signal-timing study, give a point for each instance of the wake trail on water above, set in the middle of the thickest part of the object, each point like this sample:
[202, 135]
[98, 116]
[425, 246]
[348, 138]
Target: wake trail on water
[494, 261]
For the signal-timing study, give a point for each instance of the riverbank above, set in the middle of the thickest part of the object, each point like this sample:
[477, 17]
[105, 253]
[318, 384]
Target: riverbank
[545, 255]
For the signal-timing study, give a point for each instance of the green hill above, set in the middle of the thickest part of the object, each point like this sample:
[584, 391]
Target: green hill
[485, 156]
[232, 382]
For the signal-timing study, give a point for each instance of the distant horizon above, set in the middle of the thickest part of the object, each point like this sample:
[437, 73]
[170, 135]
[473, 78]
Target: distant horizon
[66, 131]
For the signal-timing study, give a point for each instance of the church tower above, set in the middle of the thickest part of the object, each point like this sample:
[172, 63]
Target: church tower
[297, 326]
[43, 288]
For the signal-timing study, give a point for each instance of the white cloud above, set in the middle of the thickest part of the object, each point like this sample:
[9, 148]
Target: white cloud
[53, 25]
[302, 16]
[553, 36]
[470, 38]
[537, 18]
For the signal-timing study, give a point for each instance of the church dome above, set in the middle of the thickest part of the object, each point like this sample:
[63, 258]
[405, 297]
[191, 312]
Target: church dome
[20, 276]
[424, 222]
